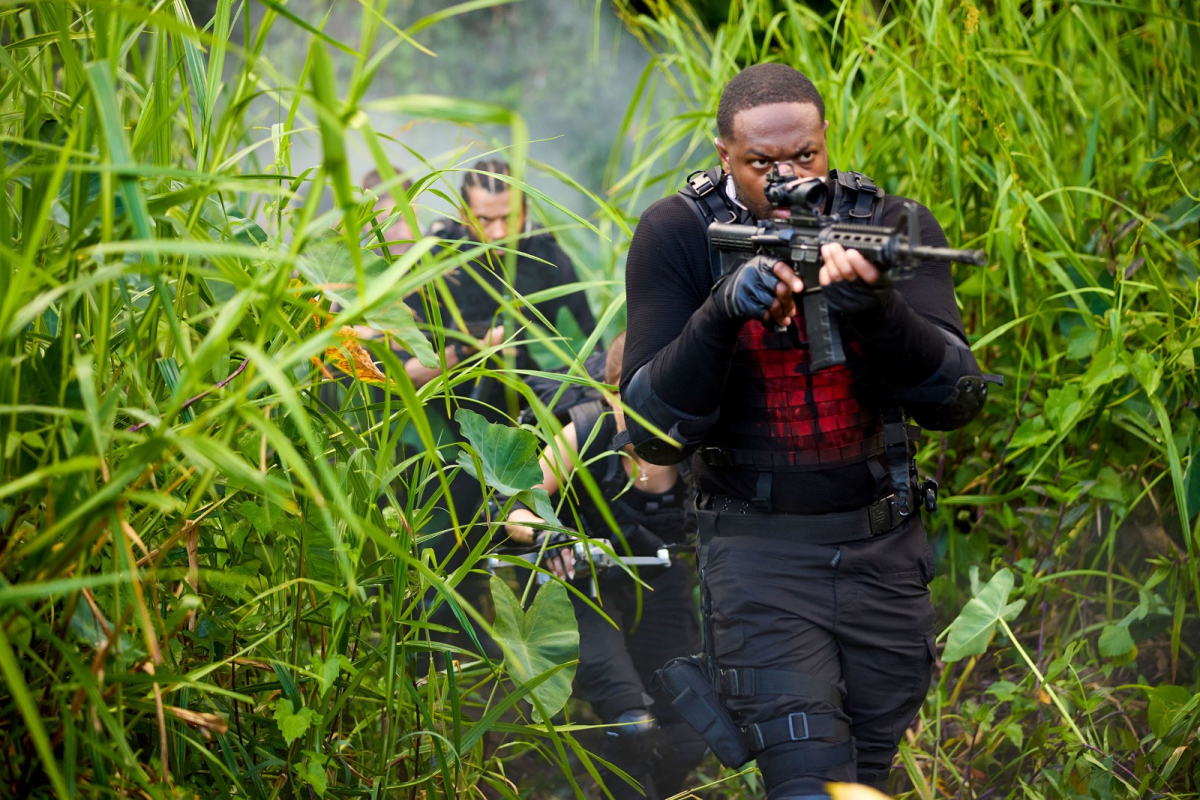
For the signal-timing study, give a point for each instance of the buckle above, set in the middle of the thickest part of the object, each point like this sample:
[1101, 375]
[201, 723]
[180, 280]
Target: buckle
[929, 492]
[717, 456]
[756, 738]
[736, 684]
[701, 184]
[792, 726]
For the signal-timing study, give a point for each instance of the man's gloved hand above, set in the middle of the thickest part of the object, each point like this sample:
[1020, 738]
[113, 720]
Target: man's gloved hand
[559, 551]
[857, 297]
[747, 292]
[852, 284]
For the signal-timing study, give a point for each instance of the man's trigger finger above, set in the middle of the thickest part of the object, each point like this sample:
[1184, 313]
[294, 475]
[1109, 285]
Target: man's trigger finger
[787, 275]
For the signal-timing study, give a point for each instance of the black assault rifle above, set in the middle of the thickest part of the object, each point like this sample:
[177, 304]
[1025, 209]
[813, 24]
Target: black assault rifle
[798, 239]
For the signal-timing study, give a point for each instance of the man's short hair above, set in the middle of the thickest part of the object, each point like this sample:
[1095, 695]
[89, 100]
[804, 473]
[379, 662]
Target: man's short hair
[763, 85]
[489, 183]
[373, 179]
[614, 359]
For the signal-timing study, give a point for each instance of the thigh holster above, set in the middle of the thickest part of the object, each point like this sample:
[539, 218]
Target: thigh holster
[687, 683]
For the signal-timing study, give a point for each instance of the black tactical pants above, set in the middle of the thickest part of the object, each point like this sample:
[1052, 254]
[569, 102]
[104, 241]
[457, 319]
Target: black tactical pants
[617, 664]
[853, 621]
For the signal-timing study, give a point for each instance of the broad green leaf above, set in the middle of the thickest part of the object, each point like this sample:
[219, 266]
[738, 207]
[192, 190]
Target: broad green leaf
[971, 632]
[538, 640]
[293, 724]
[1164, 701]
[1082, 342]
[255, 514]
[1104, 369]
[327, 670]
[1147, 370]
[1031, 433]
[539, 501]
[312, 773]
[509, 455]
[1109, 486]
[1062, 406]
[1115, 641]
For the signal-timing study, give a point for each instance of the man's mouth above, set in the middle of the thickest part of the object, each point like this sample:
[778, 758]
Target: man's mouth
[781, 213]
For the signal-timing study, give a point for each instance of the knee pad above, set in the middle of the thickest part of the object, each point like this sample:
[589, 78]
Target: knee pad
[800, 789]
[799, 763]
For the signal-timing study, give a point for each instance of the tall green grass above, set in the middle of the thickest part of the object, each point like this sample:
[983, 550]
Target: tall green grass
[210, 581]
[200, 590]
[1061, 138]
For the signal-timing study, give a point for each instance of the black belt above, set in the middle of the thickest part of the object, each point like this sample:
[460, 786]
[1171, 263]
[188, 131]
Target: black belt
[732, 517]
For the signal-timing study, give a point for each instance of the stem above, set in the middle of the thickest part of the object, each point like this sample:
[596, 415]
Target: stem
[1042, 681]
[193, 400]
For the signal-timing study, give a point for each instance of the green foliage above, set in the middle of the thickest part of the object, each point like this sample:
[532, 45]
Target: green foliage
[538, 641]
[199, 590]
[216, 574]
[972, 631]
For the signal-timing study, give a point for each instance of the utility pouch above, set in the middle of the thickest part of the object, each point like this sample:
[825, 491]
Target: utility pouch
[686, 682]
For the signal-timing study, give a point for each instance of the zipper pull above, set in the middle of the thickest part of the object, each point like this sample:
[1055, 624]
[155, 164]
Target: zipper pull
[836, 558]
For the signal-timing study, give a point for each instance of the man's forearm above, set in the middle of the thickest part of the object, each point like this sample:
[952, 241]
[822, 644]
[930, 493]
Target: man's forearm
[931, 371]
[690, 372]
[903, 347]
[679, 390]
[420, 374]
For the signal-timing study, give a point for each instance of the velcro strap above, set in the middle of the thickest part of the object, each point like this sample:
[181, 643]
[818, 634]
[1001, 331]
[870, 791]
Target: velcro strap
[621, 440]
[779, 767]
[895, 433]
[797, 727]
[749, 682]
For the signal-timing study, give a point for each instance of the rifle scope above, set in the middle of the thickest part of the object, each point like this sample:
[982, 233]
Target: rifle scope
[810, 193]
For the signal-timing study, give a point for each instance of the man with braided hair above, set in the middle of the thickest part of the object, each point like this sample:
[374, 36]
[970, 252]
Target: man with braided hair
[814, 561]
[541, 262]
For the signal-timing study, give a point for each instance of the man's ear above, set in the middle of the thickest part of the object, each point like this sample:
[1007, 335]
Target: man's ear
[825, 127]
[722, 151]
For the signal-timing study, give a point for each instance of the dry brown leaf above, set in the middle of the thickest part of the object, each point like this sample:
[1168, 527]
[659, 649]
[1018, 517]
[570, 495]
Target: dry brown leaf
[360, 365]
[207, 723]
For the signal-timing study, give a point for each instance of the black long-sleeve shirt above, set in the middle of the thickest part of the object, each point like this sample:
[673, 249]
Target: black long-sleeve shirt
[541, 264]
[675, 326]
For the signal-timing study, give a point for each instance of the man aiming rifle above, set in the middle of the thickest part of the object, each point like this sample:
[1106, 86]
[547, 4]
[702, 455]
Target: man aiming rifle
[814, 560]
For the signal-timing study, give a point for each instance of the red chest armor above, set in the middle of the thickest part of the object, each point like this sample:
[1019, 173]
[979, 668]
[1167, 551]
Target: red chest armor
[777, 413]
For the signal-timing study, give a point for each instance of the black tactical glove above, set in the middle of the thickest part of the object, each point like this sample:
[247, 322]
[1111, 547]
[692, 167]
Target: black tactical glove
[748, 291]
[858, 297]
[558, 555]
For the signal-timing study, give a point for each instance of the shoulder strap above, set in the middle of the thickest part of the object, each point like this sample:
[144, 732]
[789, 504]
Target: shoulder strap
[856, 197]
[586, 416]
[709, 204]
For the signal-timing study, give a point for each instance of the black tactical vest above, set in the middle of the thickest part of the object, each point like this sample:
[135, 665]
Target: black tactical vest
[647, 520]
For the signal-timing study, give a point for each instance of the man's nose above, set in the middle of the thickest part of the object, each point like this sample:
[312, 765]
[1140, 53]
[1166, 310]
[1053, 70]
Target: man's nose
[497, 229]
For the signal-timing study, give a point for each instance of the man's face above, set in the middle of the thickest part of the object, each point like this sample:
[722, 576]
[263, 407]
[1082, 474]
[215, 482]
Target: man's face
[398, 231]
[789, 134]
[491, 210]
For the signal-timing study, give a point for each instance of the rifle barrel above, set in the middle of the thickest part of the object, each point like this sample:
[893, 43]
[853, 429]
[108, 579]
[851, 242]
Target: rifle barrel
[977, 257]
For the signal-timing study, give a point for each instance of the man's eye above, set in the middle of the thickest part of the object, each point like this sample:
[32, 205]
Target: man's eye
[760, 163]
[806, 157]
